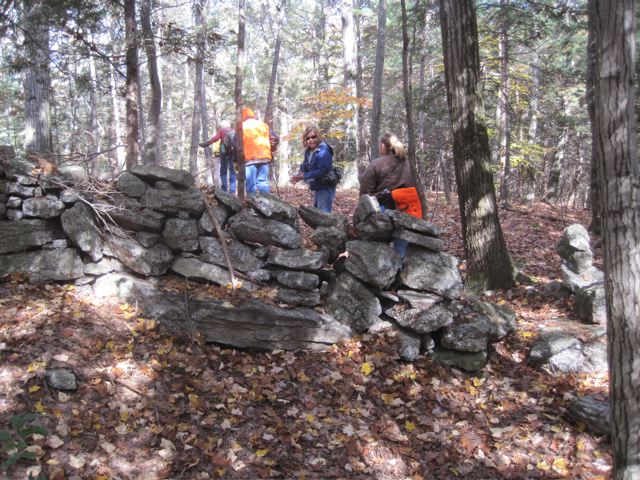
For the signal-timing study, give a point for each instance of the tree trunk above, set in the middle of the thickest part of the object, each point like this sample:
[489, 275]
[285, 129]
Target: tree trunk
[37, 84]
[360, 112]
[594, 193]
[268, 114]
[239, 100]
[93, 166]
[505, 123]
[349, 54]
[131, 82]
[198, 88]
[153, 142]
[488, 262]
[408, 103]
[528, 176]
[117, 153]
[616, 142]
[376, 106]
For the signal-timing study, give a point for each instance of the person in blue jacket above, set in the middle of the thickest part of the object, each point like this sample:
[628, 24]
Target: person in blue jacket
[318, 161]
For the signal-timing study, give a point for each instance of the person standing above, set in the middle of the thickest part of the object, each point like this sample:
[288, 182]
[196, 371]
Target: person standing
[227, 168]
[389, 179]
[318, 161]
[259, 142]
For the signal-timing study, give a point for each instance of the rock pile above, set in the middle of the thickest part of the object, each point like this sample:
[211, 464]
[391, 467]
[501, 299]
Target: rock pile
[157, 222]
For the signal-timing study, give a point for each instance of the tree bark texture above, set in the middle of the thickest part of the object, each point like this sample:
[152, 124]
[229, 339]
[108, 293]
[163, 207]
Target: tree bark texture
[241, 177]
[37, 83]
[154, 130]
[408, 104]
[198, 88]
[505, 116]
[619, 175]
[131, 82]
[350, 69]
[376, 104]
[268, 113]
[488, 262]
[594, 193]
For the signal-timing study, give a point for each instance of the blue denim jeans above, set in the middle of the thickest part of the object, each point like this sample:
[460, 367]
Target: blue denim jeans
[227, 166]
[399, 245]
[257, 175]
[323, 199]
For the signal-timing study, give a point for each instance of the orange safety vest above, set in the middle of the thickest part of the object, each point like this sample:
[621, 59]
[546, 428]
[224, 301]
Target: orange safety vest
[407, 201]
[255, 140]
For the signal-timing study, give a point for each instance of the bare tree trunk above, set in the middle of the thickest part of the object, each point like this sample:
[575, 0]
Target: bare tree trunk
[505, 116]
[198, 88]
[619, 174]
[376, 107]
[360, 112]
[488, 262]
[528, 176]
[153, 140]
[268, 115]
[558, 161]
[37, 84]
[321, 65]
[239, 100]
[132, 82]
[408, 104]
[594, 192]
[93, 147]
[349, 53]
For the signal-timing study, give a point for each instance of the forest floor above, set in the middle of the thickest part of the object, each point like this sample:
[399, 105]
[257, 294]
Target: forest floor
[153, 404]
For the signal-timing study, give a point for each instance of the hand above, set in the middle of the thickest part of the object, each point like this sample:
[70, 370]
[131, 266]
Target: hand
[203, 144]
[296, 178]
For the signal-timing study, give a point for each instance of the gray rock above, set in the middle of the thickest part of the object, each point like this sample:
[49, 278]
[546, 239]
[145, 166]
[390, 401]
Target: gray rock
[424, 321]
[317, 218]
[44, 265]
[591, 305]
[131, 185]
[164, 185]
[574, 248]
[197, 269]
[591, 411]
[79, 224]
[181, 178]
[430, 243]
[229, 200]
[432, 272]
[138, 219]
[147, 239]
[367, 206]
[61, 379]
[374, 263]
[470, 362]
[409, 345]
[420, 300]
[73, 173]
[585, 279]
[403, 220]
[104, 266]
[13, 214]
[248, 227]
[174, 201]
[145, 261]
[351, 303]
[556, 351]
[206, 226]
[181, 235]
[297, 279]
[304, 298]
[16, 188]
[377, 226]
[273, 208]
[298, 259]
[14, 202]
[250, 325]
[331, 239]
[241, 255]
[48, 206]
[16, 236]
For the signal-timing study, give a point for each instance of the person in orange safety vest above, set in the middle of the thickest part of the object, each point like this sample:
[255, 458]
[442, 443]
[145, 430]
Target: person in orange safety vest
[259, 143]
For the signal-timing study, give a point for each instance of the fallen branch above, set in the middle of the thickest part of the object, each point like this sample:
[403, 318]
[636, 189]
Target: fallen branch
[223, 242]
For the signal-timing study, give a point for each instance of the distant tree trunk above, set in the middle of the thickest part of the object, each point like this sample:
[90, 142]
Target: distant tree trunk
[408, 104]
[528, 177]
[360, 124]
[349, 53]
[131, 82]
[198, 88]
[117, 155]
[376, 107]
[210, 175]
[594, 193]
[558, 160]
[37, 85]
[321, 65]
[268, 114]
[619, 174]
[93, 166]
[239, 100]
[505, 116]
[488, 262]
[154, 131]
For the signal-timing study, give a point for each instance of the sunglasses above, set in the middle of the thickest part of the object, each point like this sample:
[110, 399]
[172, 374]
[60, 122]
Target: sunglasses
[312, 137]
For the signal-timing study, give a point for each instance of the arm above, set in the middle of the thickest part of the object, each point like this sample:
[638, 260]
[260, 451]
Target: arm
[368, 181]
[218, 136]
[324, 161]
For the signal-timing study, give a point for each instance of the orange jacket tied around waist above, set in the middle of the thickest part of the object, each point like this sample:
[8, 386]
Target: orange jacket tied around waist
[407, 201]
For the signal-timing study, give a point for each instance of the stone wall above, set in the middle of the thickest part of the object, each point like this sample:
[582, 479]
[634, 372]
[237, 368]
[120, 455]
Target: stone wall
[155, 222]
